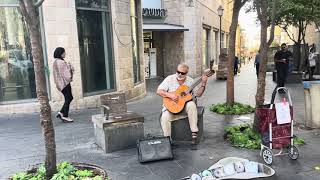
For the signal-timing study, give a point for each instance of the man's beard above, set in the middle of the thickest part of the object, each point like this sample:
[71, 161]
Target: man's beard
[180, 79]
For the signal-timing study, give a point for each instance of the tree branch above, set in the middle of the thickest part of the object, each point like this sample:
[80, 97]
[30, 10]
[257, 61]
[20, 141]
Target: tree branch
[258, 9]
[304, 29]
[24, 10]
[273, 17]
[38, 4]
[286, 29]
[243, 2]
[317, 26]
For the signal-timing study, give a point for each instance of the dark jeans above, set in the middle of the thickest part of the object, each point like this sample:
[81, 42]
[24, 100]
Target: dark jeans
[310, 72]
[282, 73]
[235, 70]
[257, 69]
[67, 93]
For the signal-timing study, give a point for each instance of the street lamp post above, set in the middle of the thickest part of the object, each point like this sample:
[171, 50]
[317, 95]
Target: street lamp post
[220, 13]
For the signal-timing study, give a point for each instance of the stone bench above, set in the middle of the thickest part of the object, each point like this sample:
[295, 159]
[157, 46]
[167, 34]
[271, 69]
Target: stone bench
[181, 130]
[116, 128]
[118, 132]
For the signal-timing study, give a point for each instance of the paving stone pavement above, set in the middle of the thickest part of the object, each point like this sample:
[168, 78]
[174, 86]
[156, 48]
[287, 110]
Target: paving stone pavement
[22, 143]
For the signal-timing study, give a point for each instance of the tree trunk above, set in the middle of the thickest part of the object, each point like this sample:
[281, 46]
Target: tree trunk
[262, 6]
[231, 54]
[298, 45]
[30, 13]
[306, 54]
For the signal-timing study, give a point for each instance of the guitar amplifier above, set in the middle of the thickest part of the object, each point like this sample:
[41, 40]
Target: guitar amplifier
[154, 149]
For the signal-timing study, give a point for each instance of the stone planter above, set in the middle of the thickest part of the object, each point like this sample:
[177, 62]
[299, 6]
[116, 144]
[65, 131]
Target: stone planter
[97, 171]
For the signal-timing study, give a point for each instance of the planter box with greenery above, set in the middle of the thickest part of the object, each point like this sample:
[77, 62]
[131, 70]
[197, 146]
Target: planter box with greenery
[235, 108]
[243, 136]
[65, 170]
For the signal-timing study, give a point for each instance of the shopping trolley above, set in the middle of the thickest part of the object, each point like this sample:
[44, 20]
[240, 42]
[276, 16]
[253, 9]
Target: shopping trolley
[274, 135]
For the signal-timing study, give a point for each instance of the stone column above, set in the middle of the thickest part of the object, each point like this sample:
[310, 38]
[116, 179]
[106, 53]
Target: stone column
[60, 27]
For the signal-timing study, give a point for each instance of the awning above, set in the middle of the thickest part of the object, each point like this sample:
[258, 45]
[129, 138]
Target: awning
[163, 27]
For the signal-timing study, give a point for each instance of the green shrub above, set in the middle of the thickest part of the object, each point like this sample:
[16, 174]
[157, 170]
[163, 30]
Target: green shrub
[83, 173]
[65, 170]
[235, 108]
[243, 136]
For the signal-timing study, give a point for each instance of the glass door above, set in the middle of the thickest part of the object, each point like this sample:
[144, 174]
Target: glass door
[94, 36]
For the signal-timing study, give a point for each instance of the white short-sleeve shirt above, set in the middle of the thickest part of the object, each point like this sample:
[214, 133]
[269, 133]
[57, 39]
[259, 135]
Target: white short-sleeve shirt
[171, 84]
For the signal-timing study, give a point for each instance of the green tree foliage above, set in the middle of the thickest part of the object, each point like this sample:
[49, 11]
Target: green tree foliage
[294, 12]
[299, 14]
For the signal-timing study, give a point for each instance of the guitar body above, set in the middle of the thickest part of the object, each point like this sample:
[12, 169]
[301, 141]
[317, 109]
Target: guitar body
[184, 93]
[177, 107]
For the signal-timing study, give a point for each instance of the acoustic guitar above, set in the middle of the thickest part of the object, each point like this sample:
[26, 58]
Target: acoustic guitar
[184, 93]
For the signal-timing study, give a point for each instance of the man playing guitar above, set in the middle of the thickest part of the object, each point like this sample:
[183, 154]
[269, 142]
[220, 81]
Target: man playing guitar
[167, 90]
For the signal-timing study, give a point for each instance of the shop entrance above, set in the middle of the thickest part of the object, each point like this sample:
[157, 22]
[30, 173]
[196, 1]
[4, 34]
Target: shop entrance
[152, 56]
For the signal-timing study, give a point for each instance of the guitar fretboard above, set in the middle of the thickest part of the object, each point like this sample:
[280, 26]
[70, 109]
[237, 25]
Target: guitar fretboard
[195, 84]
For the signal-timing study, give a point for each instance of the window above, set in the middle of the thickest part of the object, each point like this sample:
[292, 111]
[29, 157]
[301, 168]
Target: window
[103, 4]
[17, 78]
[216, 49]
[227, 41]
[155, 4]
[14, 2]
[205, 48]
[222, 41]
[135, 41]
[97, 66]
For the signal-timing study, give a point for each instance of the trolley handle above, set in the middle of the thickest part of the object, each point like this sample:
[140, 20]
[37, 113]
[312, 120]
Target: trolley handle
[276, 91]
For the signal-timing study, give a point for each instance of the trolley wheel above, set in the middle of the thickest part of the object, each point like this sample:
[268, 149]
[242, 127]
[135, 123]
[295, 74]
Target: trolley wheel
[293, 152]
[267, 156]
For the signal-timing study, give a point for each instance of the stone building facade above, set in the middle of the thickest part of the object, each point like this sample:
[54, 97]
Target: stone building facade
[189, 33]
[313, 36]
[103, 41]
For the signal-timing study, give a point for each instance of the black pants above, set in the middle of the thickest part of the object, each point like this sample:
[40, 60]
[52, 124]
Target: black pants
[235, 70]
[257, 69]
[282, 73]
[67, 93]
[310, 72]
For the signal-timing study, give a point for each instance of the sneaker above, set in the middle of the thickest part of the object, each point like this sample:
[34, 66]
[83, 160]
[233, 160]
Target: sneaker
[66, 119]
[59, 115]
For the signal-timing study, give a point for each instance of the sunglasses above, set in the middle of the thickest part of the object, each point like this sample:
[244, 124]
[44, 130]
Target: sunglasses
[182, 73]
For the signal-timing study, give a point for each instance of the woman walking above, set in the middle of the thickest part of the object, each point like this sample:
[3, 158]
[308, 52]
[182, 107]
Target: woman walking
[63, 74]
[312, 62]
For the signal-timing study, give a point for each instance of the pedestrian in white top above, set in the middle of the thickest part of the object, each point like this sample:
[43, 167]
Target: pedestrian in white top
[312, 62]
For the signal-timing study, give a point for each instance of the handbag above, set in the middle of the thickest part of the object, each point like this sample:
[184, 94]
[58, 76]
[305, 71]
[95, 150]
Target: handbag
[154, 149]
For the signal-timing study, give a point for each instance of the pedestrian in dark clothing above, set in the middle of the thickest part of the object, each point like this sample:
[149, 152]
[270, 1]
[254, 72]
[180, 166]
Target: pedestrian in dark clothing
[257, 62]
[235, 66]
[282, 59]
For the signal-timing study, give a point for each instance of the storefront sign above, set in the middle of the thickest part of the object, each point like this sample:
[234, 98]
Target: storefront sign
[157, 13]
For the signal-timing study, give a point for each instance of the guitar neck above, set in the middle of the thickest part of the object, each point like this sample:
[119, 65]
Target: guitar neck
[193, 85]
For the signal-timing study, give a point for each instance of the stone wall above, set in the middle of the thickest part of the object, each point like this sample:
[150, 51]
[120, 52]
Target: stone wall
[60, 29]
[200, 14]
[313, 36]
[173, 51]
[175, 11]
[158, 44]
[123, 49]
